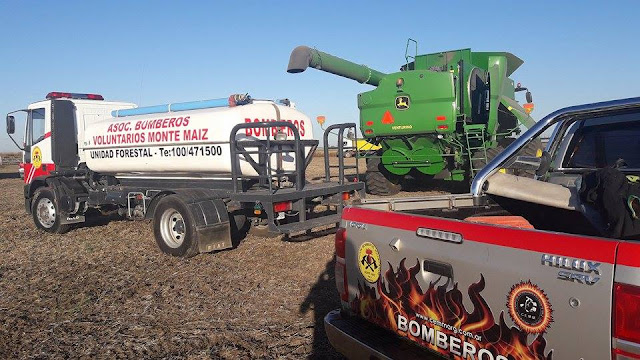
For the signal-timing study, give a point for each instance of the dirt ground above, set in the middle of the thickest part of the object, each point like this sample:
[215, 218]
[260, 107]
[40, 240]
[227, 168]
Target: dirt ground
[107, 291]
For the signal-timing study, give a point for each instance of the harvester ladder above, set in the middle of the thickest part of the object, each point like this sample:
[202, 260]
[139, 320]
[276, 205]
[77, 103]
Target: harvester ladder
[476, 146]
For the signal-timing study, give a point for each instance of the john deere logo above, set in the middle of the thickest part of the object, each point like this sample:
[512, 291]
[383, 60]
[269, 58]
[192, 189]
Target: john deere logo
[402, 102]
[369, 262]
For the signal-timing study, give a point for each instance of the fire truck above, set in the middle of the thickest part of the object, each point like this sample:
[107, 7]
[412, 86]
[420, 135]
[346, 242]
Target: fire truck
[202, 170]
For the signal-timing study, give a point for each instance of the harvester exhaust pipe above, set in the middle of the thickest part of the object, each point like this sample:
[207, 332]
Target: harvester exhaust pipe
[302, 57]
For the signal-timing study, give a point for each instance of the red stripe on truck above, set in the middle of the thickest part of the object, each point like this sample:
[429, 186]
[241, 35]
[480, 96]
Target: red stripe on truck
[598, 249]
[628, 254]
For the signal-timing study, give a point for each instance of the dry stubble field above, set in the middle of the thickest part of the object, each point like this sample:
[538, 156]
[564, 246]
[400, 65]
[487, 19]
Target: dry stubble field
[107, 291]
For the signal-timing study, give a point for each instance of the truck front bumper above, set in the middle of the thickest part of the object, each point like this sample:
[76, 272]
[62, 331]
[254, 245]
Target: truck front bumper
[358, 339]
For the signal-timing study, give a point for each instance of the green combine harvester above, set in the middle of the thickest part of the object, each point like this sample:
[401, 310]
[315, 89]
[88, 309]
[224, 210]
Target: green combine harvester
[442, 116]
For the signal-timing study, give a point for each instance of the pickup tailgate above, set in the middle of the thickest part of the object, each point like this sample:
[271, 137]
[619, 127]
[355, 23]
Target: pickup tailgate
[476, 291]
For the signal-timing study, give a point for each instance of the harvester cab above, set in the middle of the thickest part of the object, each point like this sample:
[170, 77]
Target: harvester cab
[443, 115]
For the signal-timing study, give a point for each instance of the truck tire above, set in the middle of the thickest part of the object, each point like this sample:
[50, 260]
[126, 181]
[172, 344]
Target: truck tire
[377, 182]
[174, 227]
[45, 211]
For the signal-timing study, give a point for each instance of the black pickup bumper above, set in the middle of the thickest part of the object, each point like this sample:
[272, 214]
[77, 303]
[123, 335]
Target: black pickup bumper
[358, 339]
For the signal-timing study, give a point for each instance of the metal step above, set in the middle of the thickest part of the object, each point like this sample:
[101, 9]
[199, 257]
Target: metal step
[309, 224]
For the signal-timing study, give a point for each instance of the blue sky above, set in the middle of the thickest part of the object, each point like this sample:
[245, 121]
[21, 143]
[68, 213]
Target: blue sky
[158, 52]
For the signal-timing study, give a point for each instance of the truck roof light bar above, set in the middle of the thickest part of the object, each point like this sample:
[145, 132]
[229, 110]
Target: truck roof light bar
[231, 101]
[62, 95]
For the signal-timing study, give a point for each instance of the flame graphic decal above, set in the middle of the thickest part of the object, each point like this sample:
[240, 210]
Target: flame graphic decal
[405, 298]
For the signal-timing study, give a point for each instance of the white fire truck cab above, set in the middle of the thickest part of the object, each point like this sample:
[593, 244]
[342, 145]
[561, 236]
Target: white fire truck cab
[41, 117]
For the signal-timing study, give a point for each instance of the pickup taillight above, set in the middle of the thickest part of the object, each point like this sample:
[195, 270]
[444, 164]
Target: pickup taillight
[626, 319]
[341, 269]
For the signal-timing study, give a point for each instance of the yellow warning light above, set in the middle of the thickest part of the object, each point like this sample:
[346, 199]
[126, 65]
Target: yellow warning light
[321, 119]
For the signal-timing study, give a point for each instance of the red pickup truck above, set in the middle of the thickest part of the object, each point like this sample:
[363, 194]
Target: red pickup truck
[519, 268]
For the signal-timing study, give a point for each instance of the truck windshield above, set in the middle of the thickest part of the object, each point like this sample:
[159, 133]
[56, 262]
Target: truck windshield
[602, 145]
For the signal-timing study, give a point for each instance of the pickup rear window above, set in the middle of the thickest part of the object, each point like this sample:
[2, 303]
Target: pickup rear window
[601, 145]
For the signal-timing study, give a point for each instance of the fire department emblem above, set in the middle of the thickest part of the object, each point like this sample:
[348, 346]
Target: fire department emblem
[36, 157]
[369, 262]
[529, 308]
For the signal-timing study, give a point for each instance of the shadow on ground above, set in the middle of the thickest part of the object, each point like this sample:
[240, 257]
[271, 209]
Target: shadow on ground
[322, 298]
[9, 175]
[95, 219]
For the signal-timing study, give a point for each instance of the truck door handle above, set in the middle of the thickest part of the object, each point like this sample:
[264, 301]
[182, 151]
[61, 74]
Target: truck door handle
[438, 268]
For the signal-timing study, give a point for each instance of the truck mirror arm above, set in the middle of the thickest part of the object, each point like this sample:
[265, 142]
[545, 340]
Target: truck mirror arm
[571, 113]
[14, 141]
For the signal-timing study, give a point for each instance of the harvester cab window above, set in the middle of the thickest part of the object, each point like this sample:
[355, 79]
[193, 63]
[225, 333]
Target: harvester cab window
[479, 95]
[36, 119]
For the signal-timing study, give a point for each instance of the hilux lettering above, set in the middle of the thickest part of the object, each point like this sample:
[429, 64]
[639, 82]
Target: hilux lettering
[584, 266]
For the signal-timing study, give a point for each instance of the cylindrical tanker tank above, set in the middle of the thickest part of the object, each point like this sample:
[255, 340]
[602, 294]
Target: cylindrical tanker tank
[192, 142]
[303, 57]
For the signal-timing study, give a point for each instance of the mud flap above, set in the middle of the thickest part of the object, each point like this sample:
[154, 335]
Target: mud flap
[212, 224]
[72, 219]
[63, 192]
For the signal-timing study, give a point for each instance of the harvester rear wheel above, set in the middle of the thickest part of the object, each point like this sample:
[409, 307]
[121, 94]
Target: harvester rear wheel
[380, 182]
[532, 149]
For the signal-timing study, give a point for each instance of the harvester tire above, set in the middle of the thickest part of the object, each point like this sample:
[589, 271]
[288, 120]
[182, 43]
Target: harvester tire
[530, 150]
[376, 182]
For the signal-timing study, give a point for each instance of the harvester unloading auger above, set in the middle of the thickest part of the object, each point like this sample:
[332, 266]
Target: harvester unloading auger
[443, 115]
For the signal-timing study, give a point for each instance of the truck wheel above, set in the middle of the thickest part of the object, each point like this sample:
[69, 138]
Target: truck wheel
[378, 181]
[174, 227]
[46, 212]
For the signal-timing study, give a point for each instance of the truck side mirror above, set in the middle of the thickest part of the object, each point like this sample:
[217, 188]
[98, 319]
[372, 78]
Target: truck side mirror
[529, 97]
[11, 124]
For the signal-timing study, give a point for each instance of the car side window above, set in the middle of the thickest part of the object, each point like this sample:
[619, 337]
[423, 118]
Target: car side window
[602, 145]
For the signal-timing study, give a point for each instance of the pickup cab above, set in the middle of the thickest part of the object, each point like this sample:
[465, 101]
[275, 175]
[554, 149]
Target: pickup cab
[519, 268]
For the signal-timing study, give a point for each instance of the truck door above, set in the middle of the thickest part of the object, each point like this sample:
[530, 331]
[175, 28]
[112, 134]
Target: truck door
[476, 291]
[37, 143]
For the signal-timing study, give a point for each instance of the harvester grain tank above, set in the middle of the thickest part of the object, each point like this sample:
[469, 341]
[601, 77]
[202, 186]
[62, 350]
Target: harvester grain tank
[443, 115]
